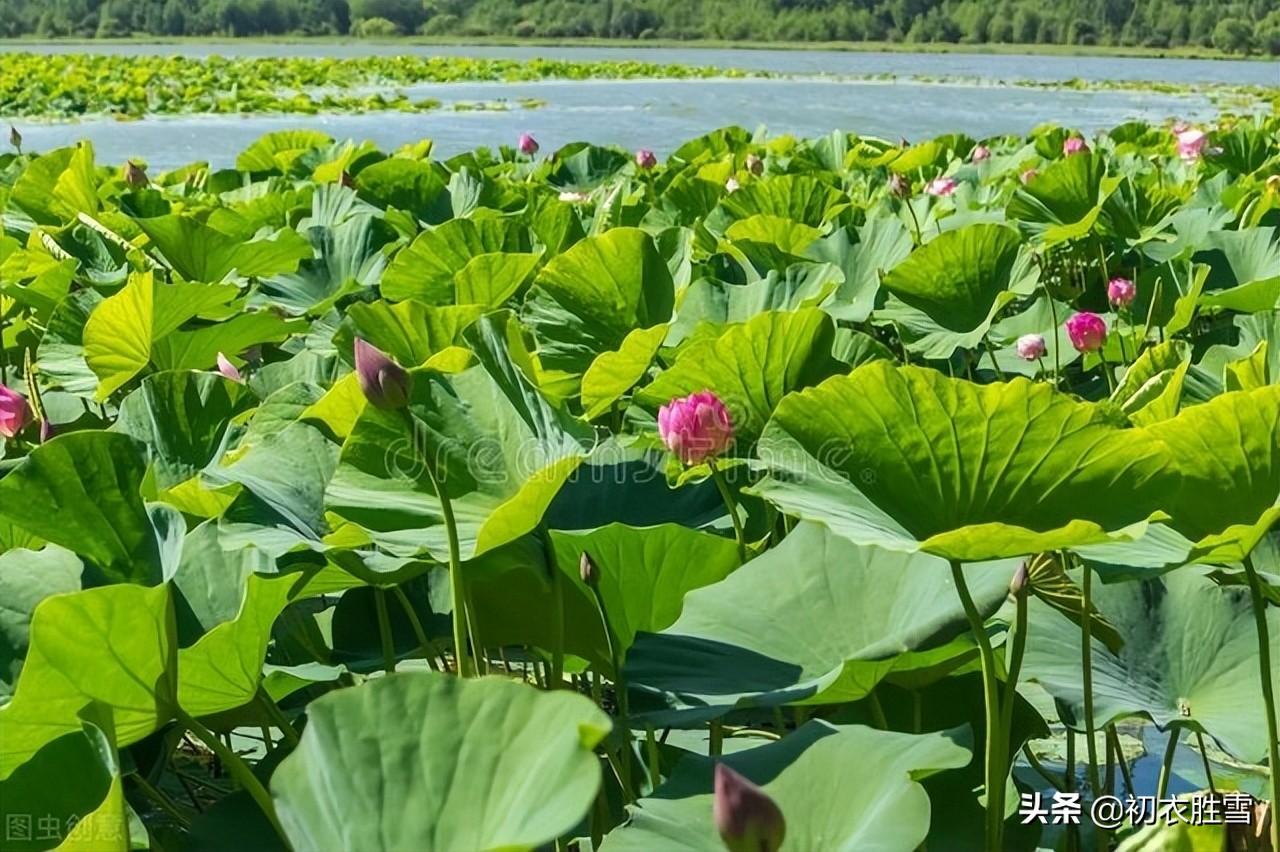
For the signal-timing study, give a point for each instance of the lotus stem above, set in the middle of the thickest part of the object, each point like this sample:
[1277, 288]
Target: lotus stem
[1204, 757]
[1114, 739]
[425, 645]
[557, 615]
[384, 631]
[1268, 693]
[277, 717]
[456, 590]
[732, 506]
[991, 352]
[161, 801]
[715, 738]
[1017, 651]
[239, 770]
[1086, 664]
[619, 690]
[994, 758]
[877, 711]
[1106, 372]
[1040, 768]
[1166, 768]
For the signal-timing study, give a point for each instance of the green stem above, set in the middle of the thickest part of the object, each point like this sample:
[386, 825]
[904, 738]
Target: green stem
[732, 506]
[1019, 646]
[277, 717]
[1268, 693]
[1106, 372]
[239, 770]
[456, 591]
[877, 711]
[993, 772]
[1114, 738]
[161, 801]
[384, 631]
[715, 738]
[991, 352]
[619, 689]
[914, 220]
[1204, 757]
[1057, 354]
[425, 646]
[651, 750]
[1166, 768]
[1040, 768]
[557, 615]
[1086, 663]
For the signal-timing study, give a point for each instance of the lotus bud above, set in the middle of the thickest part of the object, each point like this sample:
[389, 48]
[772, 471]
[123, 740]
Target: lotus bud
[527, 145]
[941, 187]
[1028, 176]
[1087, 331]
[134, 174]
[46, 431]
[747, 819]
[384, 382]
[1018, 585]
[695, 428]
[1031, 347]
[1075, 145]
[15, 414]
[587, 570]
[755, 165]
[646, 159]
[980, 153]
[15, 138]
[1121, 292]
[899, 185]
[732, 185]
[229, 370]
[1191, 143]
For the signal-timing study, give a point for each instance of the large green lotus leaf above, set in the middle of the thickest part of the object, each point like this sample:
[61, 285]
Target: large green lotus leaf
[411, 332]
[800, 198]
[1063, 201]
[183, 419]
[881, 806]
[113, 645]
[199, 252]
[883, 242]
[57, 186]
[644, 573]
[785, 235]
[497, 446]
[1240, 257]
[432, 761]
[612, 374]
[413, 186]
[491, 279]
[1227, 456]
[709, 301]
[278, 150]
[425, 269]
[907, 458]
[69, 794]
[1207, 379]
[851, 610]
[956, 277]
[81, 491]
[348, 257]
[752, 366]
[119, 334]
[26, 578]
[1189, 658]
[593, 295]
[1148, 380]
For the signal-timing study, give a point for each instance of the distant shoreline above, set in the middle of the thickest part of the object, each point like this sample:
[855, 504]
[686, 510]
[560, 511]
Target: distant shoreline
[999, 49]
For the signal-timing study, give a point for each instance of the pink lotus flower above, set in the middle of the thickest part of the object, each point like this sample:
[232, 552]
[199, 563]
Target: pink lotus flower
[382, 381]
[1192, 144]
[1087, 331]
[941, 187]
[695, 428]
[980, 153]
[1180, 126]
[732, 185]
[755, 165]
[1028, 176]
[747, 819]
[1075, 145]
[1031, 347]
[527, 145]
[646, 159]
[15, 414]
[1121, 292]
[227, 369]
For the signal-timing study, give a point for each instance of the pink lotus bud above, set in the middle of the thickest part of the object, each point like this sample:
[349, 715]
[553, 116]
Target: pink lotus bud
[46, 431]
[696, 427]
[227, 369]
[1087, 331]
[1192, 143]
[527, 144]
[646, 159]
[942, 186]
[1075, 145]
[384, 382]
[899, 185]
[587, 570]
[1031, 347]
[747, 819]
[980, 153]
[15, 414]
[755, 165]
[1028, 176]
[134, 174]
[732, 185]
[1121, 292]
[1018, 584]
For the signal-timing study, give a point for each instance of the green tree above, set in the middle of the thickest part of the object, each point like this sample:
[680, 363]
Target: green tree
[1232, 35]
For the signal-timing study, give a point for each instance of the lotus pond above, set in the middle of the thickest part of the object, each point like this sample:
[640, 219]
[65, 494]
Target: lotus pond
[813, 494]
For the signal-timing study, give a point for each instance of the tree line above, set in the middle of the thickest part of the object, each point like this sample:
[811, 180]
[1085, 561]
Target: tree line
[1234, 26]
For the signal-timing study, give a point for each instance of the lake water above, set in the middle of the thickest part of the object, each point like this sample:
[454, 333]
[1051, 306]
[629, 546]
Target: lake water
[659, 114]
